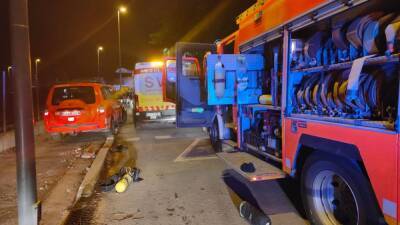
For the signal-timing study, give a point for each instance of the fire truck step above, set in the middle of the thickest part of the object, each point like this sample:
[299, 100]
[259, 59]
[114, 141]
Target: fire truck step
[268, 196]
[263, 170]
[229, 146]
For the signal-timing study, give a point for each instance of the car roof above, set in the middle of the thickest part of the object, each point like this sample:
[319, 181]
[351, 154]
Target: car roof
[72, 84]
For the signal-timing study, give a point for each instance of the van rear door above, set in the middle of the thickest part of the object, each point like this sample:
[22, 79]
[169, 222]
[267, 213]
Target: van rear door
[192, 109]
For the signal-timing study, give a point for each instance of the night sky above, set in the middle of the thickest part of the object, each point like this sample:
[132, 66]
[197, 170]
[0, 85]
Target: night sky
[65, 34]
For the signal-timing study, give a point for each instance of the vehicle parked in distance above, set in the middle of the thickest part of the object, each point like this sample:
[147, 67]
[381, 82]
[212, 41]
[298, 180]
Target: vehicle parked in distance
[73, 108]
[148, 97]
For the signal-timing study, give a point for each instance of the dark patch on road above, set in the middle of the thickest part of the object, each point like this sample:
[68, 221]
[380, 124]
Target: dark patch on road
[84, 210]
[202, 149]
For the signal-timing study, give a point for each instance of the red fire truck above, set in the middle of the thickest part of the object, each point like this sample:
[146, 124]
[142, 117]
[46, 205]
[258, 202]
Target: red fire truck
[311, 88]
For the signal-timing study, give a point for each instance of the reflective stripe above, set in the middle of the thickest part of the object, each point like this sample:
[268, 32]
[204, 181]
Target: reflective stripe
[389, 208]
[154, 108]
[288, 163]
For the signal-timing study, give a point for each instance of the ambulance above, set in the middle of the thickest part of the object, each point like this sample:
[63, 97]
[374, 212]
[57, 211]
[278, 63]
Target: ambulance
[148, 98]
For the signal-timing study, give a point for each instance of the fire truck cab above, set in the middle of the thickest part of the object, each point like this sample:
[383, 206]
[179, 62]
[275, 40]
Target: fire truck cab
[311, 88]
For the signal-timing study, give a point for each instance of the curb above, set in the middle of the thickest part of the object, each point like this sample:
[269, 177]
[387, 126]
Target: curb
[89, 181]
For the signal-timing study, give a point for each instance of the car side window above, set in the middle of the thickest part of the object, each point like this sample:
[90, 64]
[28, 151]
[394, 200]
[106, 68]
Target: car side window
[105, 91]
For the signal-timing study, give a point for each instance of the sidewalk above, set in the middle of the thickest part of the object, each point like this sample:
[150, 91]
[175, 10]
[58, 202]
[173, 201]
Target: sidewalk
[54, 160]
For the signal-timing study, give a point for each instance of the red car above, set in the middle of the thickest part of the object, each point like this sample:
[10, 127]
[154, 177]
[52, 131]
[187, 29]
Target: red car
[72, 108]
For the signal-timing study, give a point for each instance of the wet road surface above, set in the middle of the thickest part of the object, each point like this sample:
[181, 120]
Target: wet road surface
[177, 188]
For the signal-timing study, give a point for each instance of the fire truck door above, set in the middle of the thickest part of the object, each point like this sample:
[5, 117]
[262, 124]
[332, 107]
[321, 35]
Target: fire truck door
[191, 106]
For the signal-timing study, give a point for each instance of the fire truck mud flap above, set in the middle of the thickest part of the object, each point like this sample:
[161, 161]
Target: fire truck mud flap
[265, 197]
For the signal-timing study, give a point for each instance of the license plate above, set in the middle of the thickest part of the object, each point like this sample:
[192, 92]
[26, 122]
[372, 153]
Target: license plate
[153, 115]
[71, 119]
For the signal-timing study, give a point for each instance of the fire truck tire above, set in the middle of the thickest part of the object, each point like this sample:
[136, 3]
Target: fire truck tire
[214, 137]
[334, 191]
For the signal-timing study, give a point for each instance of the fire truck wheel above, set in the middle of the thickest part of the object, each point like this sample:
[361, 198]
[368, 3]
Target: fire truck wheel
[334, 191]
[214, 137]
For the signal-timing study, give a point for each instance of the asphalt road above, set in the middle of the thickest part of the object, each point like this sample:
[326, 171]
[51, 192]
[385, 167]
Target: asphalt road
[181, 182]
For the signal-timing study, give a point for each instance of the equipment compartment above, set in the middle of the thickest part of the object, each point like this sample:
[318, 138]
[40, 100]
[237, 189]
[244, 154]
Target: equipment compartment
[346, 68]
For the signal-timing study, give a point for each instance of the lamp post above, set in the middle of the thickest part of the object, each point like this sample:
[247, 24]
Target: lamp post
[4, 98]
[24, 136]
[37, 61]
[122, 10]
[4, 102]
[99, 49]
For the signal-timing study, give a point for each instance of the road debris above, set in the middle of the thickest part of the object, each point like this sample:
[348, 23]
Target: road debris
[130, 175]
[121, 216]
[109, 184]
[121, 180]
[88, 155]
[119, 148]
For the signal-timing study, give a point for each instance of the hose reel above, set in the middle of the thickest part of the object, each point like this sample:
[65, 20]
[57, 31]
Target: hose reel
[325, 94]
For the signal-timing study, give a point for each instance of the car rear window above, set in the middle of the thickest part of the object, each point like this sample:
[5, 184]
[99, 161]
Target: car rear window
[84, 93]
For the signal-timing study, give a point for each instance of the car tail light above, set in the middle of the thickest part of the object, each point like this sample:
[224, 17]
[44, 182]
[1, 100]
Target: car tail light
[46, 112]
[101, 110]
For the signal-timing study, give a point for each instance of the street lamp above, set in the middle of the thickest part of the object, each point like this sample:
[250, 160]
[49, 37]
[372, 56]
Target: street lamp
[121, 10]
[37, 61]
[4, 93]
[99, 49]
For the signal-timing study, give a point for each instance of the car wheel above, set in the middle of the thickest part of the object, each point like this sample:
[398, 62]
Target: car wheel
[334, 191]
[214, 137]
[56, 136]
[124, 116]
[114, 126]
[113, 129]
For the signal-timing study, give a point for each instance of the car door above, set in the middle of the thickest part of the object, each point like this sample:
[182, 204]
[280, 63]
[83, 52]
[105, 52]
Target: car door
[169, 80]
[110, 102]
